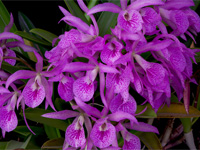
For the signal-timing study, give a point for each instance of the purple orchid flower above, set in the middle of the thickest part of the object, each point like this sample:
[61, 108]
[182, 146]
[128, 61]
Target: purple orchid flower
[75, 134]
[8, 117]
[181, 19]
[37, 88]
[129, 18]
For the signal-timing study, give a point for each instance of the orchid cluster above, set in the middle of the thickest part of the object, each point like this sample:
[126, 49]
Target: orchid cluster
[113, 65]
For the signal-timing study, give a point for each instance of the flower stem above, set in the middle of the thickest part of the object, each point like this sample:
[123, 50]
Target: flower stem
[21, 60]
[190, 140]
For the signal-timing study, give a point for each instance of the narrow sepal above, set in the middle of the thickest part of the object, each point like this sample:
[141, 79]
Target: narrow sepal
[63, 115]
[21, 74]
[104, 7]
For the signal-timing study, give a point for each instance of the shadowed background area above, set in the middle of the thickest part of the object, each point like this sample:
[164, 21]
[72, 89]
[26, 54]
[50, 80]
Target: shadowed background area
[43, 14]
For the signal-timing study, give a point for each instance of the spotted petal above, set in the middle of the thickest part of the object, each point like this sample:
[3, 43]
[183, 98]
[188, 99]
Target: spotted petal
[103, 134]
[130, 21]
[118, 104]
[65, 88]
[33, 93]
[10, 53]
[8, 119]
[132, 142]
[75, 135]
[83, 88]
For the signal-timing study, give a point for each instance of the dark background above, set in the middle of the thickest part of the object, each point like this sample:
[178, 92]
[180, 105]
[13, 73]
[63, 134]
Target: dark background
[43, 14]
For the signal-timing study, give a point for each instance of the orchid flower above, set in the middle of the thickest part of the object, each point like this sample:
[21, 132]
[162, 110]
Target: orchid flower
[8, 117]
[37, 88]
[129, 18]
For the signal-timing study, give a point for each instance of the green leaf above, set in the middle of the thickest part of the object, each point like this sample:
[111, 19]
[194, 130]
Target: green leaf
[52, 132]
[5, 18]
[32, 38]
[149, 113]
[34, 114]
[187, 124]
[53, 144]
[61, 104]
[107, 20]
[75, 10]
[24, 145]
[177, 110]
[24, 22]
[14, 144]
[90, 5]
[196, 4]
[197, 57]
[9, 68]
[44, 34]
[150, 140]
[3, 145]
[23, 130]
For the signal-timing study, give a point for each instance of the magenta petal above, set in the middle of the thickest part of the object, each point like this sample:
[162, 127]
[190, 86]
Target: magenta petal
[123, 4]
[77, 66]
[63, 115]
[141, 126]
[8, 119]
[25, 47]
[103, 135]
[151, 19]
[75, 135]
[83, 88]
[104, 7]
[155, 73]
[21, 74]
[107, 69]
[131, 142]
[87, 108]
[33, 93]
[180, 19]
[48, 87]
[77, 22]
[120, 81]
[4, 97]
[118, 104]
[64, 11]
[3, 90]
[130, 21]
[109, 57]
[10, 53]
[178, 4]
[39, 63]
[142, 3]
[120, 115]
[9, 35]
[9, 26]
[65, 88]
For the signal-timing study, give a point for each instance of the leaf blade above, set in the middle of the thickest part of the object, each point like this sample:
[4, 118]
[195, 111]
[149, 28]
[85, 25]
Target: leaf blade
[48, 36]
[177, 110]
[32, 38]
